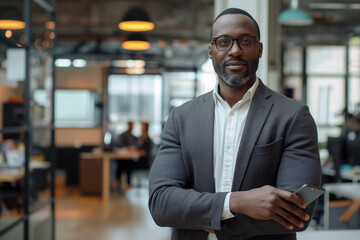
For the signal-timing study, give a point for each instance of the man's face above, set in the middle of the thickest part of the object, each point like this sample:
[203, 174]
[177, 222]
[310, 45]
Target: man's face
[235, 67]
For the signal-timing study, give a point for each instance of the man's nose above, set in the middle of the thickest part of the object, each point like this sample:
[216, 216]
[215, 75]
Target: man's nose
[235, 50]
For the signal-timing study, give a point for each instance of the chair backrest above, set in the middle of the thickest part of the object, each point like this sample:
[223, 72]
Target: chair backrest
[353, 151]
[336, 147]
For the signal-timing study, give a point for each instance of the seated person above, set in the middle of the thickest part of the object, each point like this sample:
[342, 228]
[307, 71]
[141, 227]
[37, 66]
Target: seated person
[126, 140]
[144, 145]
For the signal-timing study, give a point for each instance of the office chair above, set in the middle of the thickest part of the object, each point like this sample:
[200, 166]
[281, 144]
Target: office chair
[336, 147]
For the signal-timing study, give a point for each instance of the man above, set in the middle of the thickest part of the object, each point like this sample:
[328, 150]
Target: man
[230, 160]
[125, 140]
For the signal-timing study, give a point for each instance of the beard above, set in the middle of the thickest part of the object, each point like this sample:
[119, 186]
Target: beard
[236, 80]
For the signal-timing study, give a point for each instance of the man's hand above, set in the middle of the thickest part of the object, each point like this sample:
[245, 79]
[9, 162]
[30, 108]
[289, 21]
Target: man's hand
[270, 203]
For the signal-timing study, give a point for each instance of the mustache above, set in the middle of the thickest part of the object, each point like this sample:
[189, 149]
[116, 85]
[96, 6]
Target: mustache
[233, 59]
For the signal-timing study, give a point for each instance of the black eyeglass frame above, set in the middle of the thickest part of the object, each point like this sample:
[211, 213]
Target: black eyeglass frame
[233, 40]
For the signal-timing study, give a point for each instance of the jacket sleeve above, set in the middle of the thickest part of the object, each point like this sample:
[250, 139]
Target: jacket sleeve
[171, 202]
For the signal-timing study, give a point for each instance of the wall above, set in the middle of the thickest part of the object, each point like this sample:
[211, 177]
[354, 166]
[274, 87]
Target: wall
[5, 94]
[80, 78]
[92, 78]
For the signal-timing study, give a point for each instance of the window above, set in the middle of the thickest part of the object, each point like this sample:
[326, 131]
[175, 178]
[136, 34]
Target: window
[293, 67]
[136, 98]
[325, 69]
[354, 72]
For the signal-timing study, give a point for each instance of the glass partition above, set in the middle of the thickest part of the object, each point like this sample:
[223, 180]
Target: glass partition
[40, 224]
[12, 158]
[25, 126]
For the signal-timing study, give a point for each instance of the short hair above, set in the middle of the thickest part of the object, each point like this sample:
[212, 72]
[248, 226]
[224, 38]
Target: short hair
[235, 11]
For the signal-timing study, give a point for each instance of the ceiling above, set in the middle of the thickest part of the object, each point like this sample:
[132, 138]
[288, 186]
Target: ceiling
[180, 37]
[88, 28]
[333, 21]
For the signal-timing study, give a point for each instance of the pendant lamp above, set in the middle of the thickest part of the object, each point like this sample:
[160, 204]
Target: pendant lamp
[136, 20]
[10, 18]
[294, 16]
[136, 41]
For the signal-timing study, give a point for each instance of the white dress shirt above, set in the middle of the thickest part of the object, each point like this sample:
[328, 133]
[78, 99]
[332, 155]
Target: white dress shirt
[228, 129]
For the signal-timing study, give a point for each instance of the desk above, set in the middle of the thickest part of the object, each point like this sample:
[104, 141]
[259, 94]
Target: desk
[106, 157]
[11, 174]
[347, 190]
[14, 174]
[349, 234]
[350, 175]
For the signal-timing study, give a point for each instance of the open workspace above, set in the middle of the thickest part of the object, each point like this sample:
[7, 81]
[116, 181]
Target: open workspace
[85, 96]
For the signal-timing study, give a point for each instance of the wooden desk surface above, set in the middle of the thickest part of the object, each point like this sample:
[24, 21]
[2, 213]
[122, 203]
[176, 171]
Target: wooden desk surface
[11, 175]
[119, 155]
[14, 174]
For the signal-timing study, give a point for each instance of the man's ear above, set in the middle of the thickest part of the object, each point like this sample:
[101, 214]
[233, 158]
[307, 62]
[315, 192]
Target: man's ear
[210, 51]
[260, 49]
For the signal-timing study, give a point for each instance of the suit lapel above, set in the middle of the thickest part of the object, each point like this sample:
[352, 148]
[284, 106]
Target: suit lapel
[205, 138]
[258, 112]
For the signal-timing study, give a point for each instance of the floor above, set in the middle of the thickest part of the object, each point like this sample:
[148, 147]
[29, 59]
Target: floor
[82, 217]
[126, 216]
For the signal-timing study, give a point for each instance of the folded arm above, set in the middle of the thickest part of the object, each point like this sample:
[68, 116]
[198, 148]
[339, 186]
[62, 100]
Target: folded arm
[171, 201]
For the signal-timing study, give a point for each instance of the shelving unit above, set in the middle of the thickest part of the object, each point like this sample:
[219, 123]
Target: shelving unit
[36, 128]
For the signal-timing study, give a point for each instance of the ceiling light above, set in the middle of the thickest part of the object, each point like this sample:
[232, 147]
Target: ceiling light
[294, 16]
[135, 63]
[8, 33]
[79, 63]
[136, 20]
[136, 42]
[62, 62]
[10, 18]
[128, 63]
[50, 25]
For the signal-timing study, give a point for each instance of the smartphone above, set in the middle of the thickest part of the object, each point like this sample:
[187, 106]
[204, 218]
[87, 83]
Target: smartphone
[309, 193]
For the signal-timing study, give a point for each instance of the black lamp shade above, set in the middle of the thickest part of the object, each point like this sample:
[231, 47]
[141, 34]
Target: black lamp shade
[136, 20]
[10, 18]
[136, 41]
[136, 14]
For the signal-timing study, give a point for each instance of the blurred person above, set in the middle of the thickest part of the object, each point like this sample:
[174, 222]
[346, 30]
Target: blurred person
[230, 160]
[144, 145]
[127, 141]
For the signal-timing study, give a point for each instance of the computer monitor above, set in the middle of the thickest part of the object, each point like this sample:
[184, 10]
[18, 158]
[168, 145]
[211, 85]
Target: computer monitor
[336, 148]
[353, 151]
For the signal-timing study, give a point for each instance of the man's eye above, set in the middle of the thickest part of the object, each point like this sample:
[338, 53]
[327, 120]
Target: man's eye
[223, 41]
[246, 41]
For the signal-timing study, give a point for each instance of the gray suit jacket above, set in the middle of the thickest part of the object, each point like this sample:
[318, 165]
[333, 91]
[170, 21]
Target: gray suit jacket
[278, 147]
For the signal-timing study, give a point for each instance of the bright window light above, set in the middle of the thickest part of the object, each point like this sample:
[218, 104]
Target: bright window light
[128, 63]
[207, 66]
[79, 63]
[62, 62]
[135, 70]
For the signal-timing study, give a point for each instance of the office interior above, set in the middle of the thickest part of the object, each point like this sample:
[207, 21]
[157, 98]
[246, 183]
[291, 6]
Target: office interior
[69, 85]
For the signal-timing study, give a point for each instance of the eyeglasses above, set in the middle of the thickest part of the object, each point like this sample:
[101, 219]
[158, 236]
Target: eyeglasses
[225, 43]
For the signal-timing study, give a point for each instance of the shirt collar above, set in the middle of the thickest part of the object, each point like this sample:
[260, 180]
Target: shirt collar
[247, 96]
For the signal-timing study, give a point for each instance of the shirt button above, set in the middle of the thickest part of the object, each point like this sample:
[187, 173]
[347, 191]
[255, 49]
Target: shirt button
[227, 146]
[231, 114]
[226, 183]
